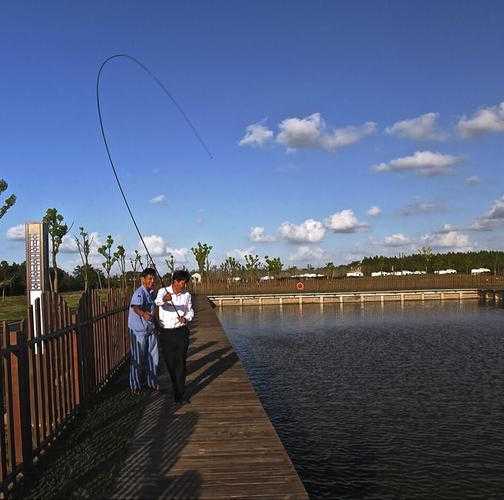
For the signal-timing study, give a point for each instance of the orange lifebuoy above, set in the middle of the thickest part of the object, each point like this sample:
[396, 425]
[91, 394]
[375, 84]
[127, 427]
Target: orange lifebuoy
[300, 286]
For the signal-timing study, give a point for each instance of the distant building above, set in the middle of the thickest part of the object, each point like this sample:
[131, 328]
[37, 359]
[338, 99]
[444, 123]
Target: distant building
[355, 274]
[266, 278]
[480, 270]
[446, 271]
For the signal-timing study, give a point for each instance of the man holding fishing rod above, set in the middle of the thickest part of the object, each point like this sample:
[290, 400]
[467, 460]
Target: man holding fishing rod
[175, 312]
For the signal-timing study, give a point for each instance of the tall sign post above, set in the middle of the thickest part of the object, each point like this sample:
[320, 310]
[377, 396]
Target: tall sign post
[37, 266]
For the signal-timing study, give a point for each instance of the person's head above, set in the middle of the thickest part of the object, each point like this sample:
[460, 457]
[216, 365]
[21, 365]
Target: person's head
[180, 279]
[148, 277]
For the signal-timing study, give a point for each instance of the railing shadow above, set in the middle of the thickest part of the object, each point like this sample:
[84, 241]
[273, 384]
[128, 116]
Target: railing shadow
[118, 446]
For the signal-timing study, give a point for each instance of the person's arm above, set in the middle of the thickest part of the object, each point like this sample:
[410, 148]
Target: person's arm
[162, 297]
[147, 316]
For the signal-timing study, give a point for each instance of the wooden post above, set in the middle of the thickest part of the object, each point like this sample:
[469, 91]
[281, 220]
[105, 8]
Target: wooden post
[21, 400]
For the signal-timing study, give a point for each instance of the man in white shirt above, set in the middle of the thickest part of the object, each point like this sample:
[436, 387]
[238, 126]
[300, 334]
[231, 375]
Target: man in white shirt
[175, 312]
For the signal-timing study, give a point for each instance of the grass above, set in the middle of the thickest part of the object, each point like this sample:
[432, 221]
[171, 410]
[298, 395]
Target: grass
[14, 308]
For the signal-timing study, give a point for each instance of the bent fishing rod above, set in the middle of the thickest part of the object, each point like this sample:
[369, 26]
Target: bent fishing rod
[111, 161]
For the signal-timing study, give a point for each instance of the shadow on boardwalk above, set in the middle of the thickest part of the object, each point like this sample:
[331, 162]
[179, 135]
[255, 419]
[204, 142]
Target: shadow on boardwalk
[123, 446]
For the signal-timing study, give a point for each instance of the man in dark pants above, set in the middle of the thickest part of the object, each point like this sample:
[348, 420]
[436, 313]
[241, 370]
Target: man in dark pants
[175, 312]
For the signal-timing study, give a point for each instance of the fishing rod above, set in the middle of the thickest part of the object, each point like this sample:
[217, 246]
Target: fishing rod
[111, 161]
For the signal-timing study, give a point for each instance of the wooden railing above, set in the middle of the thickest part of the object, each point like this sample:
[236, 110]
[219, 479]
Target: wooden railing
[322, 285]
[50, 367]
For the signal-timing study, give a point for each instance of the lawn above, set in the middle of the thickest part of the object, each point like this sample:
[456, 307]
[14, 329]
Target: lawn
[14, 308]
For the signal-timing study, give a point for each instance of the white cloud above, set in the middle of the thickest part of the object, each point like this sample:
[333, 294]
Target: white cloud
[492, 219]
[311, 132]
[158, 247]
[473, 180]
[257, 235]
[374, 211]
[256, 135]
[16, 233]
[496, 212]
[155, 244]
[446, 228]
[341, 137]
[68, 245]
[344, 222]
[307, 254]
[451, 239]
[158, 199]
[179, 254]
[309, 231]
[422, 128]
[484, 121]
[419, 207]
[396, 240]
[240, 252]
[424, 163]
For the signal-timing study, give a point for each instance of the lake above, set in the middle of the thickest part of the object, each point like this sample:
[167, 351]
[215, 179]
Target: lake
[382, 401]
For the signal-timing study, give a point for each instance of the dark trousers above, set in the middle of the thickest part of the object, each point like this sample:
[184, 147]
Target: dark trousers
[174, 344]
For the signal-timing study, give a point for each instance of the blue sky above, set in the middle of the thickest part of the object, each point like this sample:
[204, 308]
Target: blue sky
[315, 112]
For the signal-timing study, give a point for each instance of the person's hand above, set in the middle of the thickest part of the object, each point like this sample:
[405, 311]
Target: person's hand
[167, 297]
[182, 320]
[147, 316]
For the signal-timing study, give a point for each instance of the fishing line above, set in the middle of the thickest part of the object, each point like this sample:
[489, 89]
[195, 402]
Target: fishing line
[111, 161]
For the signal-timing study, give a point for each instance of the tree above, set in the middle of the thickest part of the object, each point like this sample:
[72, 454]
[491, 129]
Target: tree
[136, 262]
[106, 251]
[330, 269]
[170, 262]
[84, 247]
[201, 253]
[8, 202]
[252, 265]
[426, 253]
[94, 276]
[120, 257]
[274, 265]
[231, 266]
[57, 230]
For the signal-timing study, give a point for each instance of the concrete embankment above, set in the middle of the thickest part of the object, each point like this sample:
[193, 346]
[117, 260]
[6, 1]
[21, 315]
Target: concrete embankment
[344, 297]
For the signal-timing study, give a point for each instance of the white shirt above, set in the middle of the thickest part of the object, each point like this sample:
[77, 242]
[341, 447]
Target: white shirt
[168, 318]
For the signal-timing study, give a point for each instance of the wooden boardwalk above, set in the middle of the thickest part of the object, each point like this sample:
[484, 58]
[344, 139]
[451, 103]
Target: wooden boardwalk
[222, 445]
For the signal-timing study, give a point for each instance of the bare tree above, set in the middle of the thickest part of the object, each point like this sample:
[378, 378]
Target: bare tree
[170, 262]
[84, 247]
[136, 263]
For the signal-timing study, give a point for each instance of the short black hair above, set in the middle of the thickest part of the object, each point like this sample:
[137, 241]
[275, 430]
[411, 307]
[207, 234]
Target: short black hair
[148, 271]
[181, 275]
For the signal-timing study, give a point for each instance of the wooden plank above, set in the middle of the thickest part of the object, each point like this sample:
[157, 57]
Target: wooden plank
[222, 445]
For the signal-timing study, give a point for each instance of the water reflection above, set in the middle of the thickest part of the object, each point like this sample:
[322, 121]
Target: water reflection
[386, 400]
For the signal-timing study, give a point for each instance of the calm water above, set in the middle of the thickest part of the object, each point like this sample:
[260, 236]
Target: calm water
[382, 402]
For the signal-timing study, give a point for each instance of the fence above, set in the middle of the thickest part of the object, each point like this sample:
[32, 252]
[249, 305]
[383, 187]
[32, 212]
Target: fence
[314, 285]
[46, 377]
